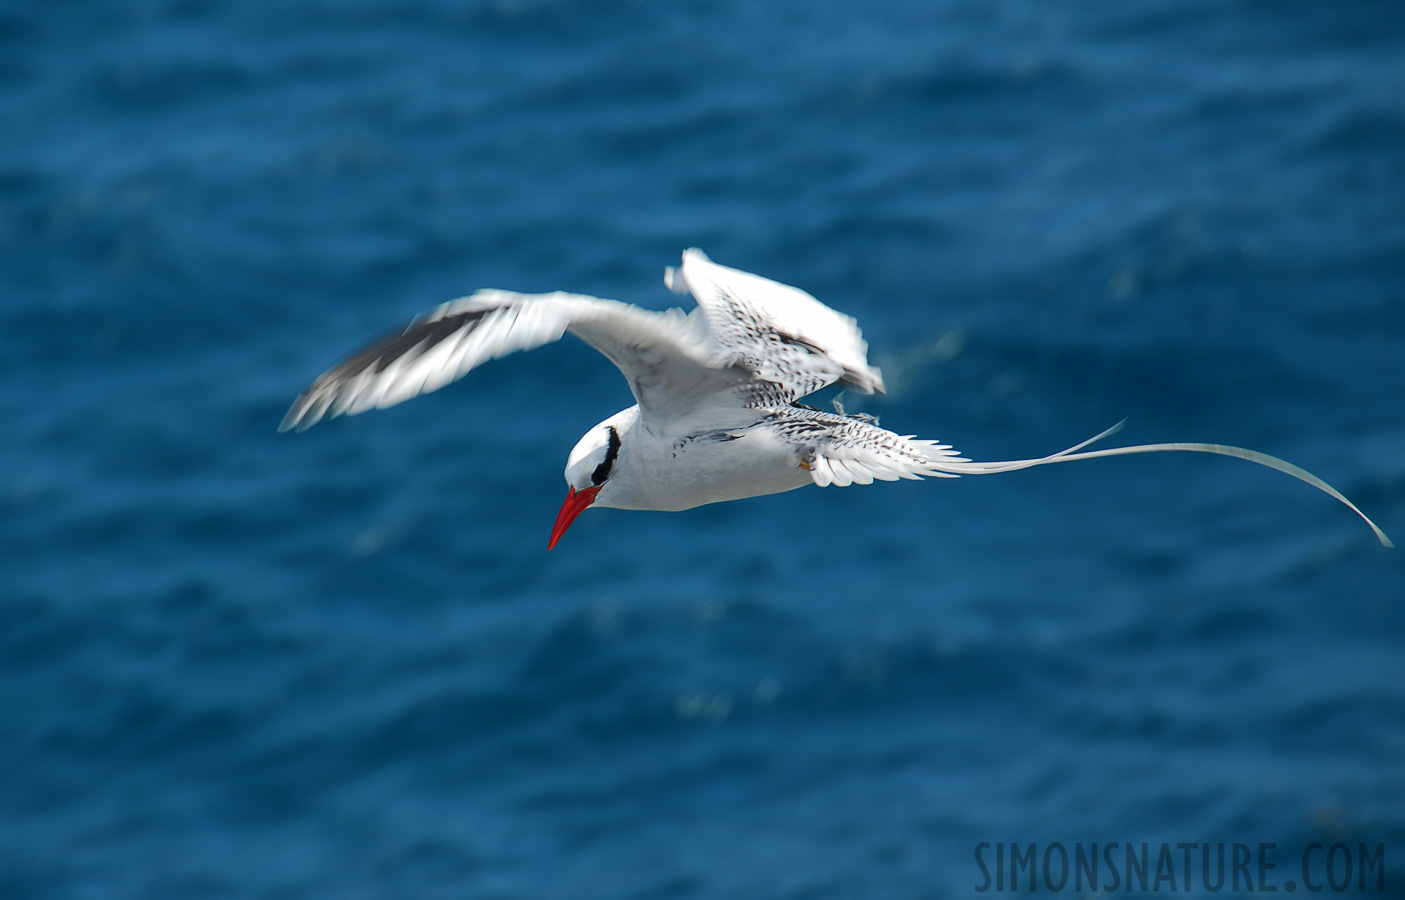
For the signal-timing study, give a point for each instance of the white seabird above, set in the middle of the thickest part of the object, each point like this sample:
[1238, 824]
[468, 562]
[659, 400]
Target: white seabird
[717, 389]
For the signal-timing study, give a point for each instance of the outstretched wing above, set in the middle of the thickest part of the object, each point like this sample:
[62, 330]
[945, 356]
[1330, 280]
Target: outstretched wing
[752, 344]
[663, 355]
[791, 343]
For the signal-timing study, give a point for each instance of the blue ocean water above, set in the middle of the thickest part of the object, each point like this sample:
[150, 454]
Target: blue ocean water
[235, 663]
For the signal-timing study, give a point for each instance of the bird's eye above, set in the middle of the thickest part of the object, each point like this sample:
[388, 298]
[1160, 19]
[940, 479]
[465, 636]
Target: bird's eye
[602, 471]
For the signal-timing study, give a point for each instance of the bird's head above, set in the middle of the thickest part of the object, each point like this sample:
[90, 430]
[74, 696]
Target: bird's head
[589, 467]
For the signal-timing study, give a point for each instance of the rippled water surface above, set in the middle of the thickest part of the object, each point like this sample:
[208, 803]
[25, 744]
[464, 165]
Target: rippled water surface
[235, 663]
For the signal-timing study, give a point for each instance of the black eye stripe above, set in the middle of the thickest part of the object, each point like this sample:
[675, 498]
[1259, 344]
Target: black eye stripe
[602, 471]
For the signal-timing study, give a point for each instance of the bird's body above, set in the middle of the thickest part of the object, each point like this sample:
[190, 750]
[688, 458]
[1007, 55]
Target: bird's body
[657, 471]
[717, 416]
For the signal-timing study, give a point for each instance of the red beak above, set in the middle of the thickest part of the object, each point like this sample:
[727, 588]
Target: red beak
[576, 502]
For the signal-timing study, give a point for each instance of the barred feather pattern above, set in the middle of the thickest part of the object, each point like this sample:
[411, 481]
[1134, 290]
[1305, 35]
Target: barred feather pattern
[780, 334]
[784, 367]
[843, 450]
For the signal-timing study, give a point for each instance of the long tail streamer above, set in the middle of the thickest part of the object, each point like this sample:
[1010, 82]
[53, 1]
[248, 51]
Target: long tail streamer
[1077, 452]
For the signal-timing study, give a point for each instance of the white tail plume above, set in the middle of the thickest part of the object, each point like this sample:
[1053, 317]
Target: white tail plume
[955, 467]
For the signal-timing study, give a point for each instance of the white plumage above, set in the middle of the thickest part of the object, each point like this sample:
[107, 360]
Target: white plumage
[716, 417]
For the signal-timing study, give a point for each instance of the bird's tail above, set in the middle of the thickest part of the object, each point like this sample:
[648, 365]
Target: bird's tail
[963, 467]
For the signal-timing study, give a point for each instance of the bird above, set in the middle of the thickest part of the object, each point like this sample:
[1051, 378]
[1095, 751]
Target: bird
[717, 390]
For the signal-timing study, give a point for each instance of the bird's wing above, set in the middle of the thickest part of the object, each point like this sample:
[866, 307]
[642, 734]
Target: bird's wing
[791, 343]
[663, 355]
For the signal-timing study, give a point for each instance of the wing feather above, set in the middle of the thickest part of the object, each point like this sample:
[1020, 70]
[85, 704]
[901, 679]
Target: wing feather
[791, 342]
[662, 355]
[752, 345]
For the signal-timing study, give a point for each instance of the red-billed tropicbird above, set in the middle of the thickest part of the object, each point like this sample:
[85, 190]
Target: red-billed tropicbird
[717, 416]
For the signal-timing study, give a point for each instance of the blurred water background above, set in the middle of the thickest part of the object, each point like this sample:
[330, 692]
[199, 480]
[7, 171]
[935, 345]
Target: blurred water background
[235, 663]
